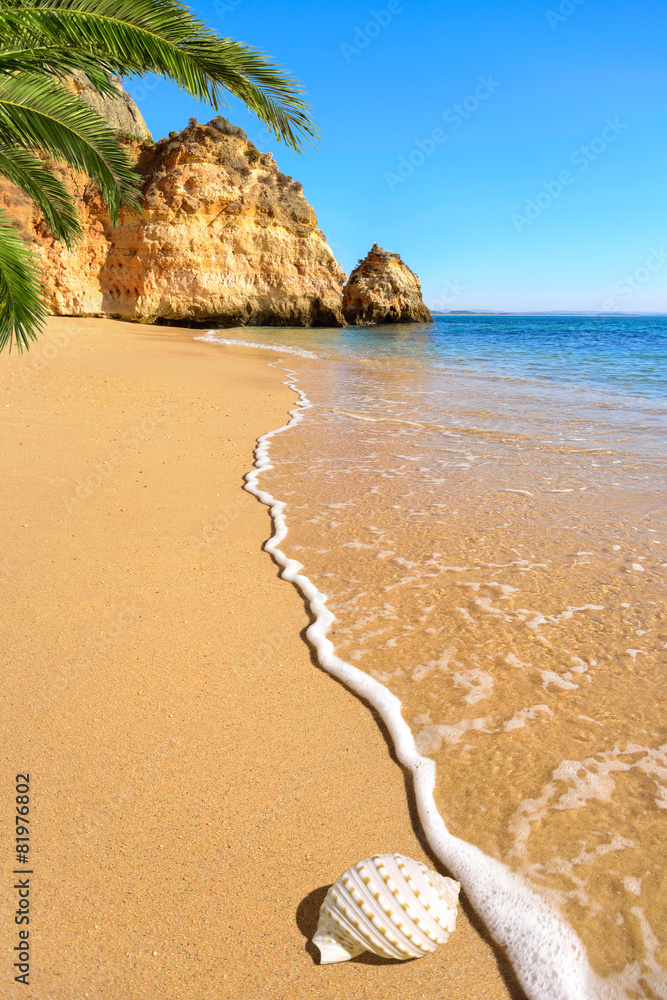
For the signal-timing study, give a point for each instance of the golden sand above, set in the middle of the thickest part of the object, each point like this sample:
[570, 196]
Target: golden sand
[196, 781]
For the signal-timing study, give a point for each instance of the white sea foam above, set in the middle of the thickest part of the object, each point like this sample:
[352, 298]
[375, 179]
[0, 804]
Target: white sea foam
[210, 337]
[593, 778]
[518, 720]
[547, 956]
[478, 682]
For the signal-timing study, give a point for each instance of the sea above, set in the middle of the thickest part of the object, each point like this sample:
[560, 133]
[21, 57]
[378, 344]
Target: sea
[480, 504]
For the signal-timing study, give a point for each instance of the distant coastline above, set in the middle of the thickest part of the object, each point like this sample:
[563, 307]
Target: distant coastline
[554, 312]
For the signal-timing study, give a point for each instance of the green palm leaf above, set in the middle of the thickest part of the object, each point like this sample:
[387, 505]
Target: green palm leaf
[29, 174]
[162, 36]
[60, 62]
[22, 307]
[41, 42]
[38, 113]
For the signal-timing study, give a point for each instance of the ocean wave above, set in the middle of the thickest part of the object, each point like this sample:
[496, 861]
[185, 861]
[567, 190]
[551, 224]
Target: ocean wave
[211, 338]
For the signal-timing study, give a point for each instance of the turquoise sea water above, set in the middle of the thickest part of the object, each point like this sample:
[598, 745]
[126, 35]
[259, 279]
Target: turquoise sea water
[482, 502]
[615, 364]
[624, 354]
[614, 353]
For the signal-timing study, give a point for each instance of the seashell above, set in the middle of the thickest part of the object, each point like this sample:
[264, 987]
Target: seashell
[387, 904]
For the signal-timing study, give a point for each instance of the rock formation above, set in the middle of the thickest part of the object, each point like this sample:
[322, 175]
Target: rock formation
[225, 238]
[121, 112]
[382, 289]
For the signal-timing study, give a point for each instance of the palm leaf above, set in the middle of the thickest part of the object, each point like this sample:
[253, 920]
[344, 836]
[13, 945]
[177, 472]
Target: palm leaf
[29, 174]
[38, 113]
[162, 36]
[42, 41]
[59, 62]
[22, 308]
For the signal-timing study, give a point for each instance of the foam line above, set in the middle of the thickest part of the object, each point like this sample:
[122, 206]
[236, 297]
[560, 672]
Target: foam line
[545, 953]
[211, 338]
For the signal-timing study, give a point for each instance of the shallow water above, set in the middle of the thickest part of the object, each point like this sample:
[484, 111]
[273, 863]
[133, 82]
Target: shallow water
[481, 501]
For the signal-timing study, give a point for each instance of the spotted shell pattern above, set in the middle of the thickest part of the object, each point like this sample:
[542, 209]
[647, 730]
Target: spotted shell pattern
[387, 904]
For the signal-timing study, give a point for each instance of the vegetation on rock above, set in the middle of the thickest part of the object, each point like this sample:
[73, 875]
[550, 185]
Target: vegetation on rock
[43, 41]
[218, 242]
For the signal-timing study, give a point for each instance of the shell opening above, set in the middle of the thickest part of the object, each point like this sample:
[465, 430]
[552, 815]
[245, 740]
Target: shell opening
[331, 951]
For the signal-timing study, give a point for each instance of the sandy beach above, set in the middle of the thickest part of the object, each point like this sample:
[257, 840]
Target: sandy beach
[197, 782]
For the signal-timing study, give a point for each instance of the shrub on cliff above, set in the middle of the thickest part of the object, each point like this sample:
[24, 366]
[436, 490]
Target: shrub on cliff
[252, 153]
[225, 126]
[41, 41]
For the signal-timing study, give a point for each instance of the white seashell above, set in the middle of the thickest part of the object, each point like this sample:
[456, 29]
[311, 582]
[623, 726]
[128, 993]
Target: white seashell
[387, 904]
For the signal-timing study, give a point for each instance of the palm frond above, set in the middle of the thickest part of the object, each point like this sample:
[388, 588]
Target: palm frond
[274, 96]
[41, 43]
[22, 307]
[38, 113]
[31, 175]
[163, 37]
[59, 62]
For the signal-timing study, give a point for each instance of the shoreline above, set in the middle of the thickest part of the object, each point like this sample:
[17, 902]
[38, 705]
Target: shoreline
[160, 693]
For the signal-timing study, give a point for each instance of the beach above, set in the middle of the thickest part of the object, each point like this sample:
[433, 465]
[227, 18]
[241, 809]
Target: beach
[481, 501]
[197, 781]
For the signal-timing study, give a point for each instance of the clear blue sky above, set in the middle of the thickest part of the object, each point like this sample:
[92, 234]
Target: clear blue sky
[545, 189]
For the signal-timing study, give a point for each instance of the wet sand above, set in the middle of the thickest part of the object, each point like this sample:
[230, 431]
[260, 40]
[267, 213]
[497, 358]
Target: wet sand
[196, 781]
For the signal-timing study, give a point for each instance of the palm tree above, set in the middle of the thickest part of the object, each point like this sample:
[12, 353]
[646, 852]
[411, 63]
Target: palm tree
[41, 42]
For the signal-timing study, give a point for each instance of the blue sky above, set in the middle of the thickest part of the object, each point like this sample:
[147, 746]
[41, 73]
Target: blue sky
[514, 152]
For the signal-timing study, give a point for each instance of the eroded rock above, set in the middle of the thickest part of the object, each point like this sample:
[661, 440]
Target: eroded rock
[224, 238]
[382, 289]
[121, 112]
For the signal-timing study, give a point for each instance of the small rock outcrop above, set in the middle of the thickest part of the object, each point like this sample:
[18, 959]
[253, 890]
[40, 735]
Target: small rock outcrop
[121, 112]
[382, 289]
